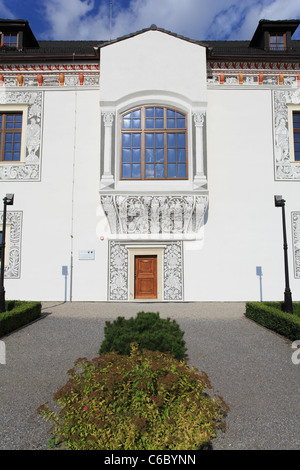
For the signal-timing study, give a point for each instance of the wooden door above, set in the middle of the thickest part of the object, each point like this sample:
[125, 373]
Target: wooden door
[145, 282]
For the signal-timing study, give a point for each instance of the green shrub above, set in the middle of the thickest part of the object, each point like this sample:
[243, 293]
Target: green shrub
[148, 330]
[18, 314]
[270, 315]
[145, 401]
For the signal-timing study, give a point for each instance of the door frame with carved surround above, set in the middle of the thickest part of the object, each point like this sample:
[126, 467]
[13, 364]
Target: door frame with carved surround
[146, 250]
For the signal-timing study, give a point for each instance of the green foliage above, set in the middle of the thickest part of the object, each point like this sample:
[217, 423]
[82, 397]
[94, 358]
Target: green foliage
[270, 315]
[148, 330]
[18, 314]
[144, 401]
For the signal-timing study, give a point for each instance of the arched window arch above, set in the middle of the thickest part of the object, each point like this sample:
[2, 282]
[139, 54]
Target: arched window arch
[154, 143]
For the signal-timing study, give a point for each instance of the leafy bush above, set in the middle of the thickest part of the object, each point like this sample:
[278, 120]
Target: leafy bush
[18, 314]
[145, 401]
[148, 330]
[270, 315]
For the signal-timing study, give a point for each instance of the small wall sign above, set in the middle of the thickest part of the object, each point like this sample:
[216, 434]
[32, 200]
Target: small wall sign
[86, 254]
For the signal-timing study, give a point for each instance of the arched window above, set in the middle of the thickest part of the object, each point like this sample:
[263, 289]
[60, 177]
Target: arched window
[153, 143]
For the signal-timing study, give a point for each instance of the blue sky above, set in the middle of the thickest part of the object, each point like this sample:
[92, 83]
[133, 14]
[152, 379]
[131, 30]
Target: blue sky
[196, 19]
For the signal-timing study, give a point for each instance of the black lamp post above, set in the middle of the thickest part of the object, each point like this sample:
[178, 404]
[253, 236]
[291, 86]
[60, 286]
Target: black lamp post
[8, 200]
[288, 303]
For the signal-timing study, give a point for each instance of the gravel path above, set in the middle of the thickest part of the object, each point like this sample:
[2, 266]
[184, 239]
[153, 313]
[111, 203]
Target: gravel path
[248, 365]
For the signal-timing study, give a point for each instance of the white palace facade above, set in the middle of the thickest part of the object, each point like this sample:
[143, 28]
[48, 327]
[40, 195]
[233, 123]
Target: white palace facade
[145, 168]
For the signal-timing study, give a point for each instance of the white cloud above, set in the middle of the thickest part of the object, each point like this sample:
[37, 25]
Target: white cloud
[197, 19]
[5, 12]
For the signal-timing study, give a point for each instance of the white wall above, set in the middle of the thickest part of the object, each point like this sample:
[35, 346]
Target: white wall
[152, 61]
[243, 229]
[69, 122]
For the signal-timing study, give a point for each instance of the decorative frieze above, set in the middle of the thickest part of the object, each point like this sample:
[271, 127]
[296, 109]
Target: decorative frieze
[161, 216]
[29, 168]
[49, 75]
[14, 229]
[296, 242]
[253, 73]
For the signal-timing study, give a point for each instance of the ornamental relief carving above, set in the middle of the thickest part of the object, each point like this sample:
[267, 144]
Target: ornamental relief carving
[155, 215]
[173, 285]
[118, 272]
[284, 169]
[29, 170]
[13, 259]
[296, 242]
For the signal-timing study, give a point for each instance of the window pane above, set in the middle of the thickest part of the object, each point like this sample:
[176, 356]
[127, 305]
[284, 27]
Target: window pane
[180, 140]
[9, 137]
[127, 116]
[171, 123]
[171, 170]
[297, 146]
[159, 140]
[171, 155]
[149, 123]
[297, 156]
[181, 155]
[170, 113]
[136, 114]
[126, 123]
[136, 155]
[149, 171]
[126, 140]
[180, 123]
[181, 171]
[126, 171]
[136, 124]
[136, 170]
[159, 112]
[149, 140]
[17, 146]
[8, 146]
[136, 140]
[149, 155]
[126, 155]
[159, 171]
[16, 156]
[171, 140]
[159, 155]
[149, 112]
[159, 123]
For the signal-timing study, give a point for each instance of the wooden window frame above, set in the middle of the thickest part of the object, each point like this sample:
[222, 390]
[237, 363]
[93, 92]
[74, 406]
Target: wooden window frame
[10, 33]
[142, 131]
[276, 47]
[4, 132]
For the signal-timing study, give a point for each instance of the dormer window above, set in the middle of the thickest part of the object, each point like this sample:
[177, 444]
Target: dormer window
[277, 41]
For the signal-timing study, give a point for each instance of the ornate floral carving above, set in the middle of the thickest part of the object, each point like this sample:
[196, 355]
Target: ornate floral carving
[284, 170]
[155, 215]
[30, 169]
[13, 263]
[296, 242]
[173, 272]
[118, 272]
